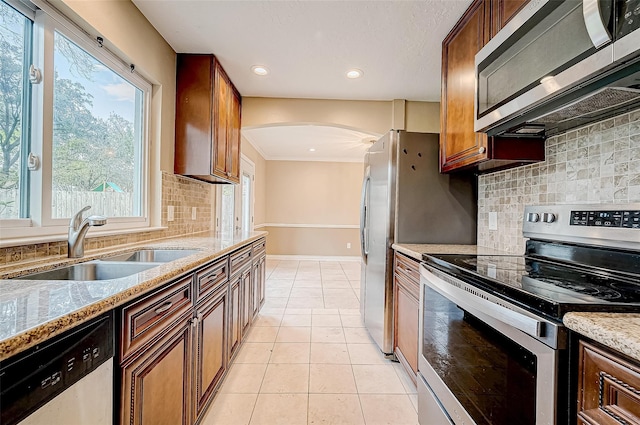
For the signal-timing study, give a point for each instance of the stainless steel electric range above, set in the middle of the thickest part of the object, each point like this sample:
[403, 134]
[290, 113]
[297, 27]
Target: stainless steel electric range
[493, 348]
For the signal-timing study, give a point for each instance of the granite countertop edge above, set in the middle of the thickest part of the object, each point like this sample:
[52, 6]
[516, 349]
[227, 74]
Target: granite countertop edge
[417, 250]
[618, 331]
[142, 283]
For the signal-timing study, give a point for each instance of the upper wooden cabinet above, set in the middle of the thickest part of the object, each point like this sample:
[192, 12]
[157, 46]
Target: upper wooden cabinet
[460, 146]
[208, 117]
[502, 11]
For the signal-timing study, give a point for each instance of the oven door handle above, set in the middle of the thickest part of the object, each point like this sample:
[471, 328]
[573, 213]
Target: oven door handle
[481, 307]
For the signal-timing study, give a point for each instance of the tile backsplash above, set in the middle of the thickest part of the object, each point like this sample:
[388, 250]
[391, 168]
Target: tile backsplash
[181, 192]
[596, 164]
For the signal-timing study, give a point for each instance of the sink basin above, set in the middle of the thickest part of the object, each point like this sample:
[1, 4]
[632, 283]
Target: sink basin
[152, 255]
[92, 270]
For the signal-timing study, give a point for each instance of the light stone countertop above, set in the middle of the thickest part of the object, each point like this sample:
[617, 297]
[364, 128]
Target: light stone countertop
[416, 250]
[32, 311]
[619, 331]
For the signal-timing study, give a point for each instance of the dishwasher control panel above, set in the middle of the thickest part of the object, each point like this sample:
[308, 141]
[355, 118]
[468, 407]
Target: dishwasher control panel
[32, 378]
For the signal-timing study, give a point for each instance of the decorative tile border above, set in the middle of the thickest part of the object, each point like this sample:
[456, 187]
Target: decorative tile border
[596, 164]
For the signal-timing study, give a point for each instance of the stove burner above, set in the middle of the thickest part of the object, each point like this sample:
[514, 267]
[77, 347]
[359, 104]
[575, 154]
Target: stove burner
[601, 292]
[626, 286]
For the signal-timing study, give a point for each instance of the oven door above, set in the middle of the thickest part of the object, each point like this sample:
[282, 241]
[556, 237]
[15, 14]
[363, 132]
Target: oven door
[480, 362]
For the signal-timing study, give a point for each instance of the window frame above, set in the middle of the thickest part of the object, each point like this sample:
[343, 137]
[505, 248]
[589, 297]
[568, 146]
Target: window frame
[46, 22]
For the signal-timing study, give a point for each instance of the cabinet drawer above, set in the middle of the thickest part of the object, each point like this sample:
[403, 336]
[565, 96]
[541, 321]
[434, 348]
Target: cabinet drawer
[239, 259]
[211, 276]
[259, 247]
[408, 267]
[147, 318]
[608, 388]
[408, 285]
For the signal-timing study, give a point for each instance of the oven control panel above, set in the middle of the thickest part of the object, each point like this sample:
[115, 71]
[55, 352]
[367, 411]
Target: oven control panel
[607, 225]
[628, 219]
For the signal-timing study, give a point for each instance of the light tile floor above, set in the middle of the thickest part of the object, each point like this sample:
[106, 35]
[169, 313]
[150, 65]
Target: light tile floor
[309, 360]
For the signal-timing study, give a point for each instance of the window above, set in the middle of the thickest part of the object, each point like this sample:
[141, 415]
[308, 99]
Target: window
[15, 52]
[85, 121]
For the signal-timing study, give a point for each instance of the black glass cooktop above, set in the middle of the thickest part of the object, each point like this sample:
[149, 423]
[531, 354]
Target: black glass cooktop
[549, 287]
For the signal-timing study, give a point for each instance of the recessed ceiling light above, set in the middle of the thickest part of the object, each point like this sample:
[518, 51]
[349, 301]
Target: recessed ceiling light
[259, 70]
[354, 73]
[312, 150]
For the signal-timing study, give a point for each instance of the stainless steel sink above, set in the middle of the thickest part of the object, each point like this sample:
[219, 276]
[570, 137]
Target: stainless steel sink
[152, 255]
[92, 270]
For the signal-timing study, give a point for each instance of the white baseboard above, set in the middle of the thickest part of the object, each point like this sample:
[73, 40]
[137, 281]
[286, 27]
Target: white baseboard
[351, 258]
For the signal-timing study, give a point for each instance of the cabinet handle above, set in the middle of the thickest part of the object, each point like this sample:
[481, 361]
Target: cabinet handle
[194, 322]
[164, 307]
[482, 150]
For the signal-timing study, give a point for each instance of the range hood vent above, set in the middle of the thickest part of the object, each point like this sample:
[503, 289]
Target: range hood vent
[595, 104]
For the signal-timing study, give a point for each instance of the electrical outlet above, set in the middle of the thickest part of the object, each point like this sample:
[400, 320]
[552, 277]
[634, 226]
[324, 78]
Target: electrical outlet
[193, 213]
[493, 220]
[348, 245]
[170, 213]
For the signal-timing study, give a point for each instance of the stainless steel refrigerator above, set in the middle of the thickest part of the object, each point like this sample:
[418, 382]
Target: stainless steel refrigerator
[406, 200]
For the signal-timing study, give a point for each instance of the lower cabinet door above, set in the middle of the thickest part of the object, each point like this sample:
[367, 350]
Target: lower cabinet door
[210, 348]
[255, 289]
[157, 383]
[245, 283]
[262, 272]
[235, 316]
[407, 317]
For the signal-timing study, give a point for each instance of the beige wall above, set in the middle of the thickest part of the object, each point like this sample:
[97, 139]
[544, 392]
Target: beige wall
[313, 192]
[313, 242]
[322, 196]
[374, 116]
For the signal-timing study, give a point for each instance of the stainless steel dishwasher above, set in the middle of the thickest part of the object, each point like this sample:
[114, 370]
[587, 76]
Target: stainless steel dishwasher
[67, 380]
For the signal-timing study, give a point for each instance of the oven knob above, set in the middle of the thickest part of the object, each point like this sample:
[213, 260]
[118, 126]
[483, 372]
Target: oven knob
[533, 217]
[548, 217]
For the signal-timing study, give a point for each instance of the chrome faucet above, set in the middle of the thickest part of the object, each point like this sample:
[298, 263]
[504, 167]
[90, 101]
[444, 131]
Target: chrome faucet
[78, 229]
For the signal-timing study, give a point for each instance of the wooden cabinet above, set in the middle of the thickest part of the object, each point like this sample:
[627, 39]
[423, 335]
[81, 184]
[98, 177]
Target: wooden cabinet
[502, 11]
[235, 317]
[147, 318]
[208, 119]
[406, 299]
[245, 293]
[461, 147]
[258, 275]
[210, 348]
[459, 144]
[156, 384]
[177, 342]
[608, 387]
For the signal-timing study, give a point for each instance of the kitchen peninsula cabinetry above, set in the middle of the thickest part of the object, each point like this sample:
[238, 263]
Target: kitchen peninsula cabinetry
[208, 119]
[608, 387]
[176, 342]
[258, 275]
[461, 147]
[406, 296]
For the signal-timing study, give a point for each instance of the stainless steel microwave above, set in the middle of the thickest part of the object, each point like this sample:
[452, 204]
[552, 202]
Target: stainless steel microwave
[559, 64]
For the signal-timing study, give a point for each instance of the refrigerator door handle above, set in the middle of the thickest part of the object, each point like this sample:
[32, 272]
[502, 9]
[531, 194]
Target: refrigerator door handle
[364, 245]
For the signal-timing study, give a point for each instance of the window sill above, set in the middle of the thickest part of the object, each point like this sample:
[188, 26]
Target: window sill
[32, 240]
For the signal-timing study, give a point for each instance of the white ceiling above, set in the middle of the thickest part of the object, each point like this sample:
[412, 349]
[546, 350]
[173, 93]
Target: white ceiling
[293, 143]
[309, 45]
